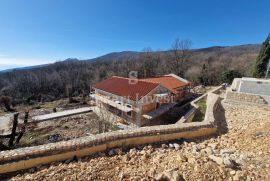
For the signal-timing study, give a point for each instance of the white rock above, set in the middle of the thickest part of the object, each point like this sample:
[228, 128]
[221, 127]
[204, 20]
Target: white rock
[238, 176]
[216, 159]
[242, 159]
[228, 162]
[232, 172]
[213, 145]
[176, 146]
[226, 151]
[195, 149]
[208, 150]
[191, 160]
[142, 152]
[133, 151]
[182, 158]
[164, 146]
[172, 175]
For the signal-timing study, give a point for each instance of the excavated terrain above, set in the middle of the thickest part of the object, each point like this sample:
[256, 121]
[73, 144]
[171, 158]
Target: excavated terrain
[240, 151]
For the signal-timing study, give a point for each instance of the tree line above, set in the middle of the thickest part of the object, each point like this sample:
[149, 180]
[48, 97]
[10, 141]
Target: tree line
[209, 66]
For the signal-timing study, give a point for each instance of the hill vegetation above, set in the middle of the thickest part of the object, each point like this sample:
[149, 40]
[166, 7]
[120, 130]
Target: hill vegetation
[263, 59]
[209, 66]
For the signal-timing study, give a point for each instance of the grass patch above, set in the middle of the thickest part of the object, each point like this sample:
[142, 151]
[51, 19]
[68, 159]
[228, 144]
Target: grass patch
[35, 137]
[202, 105]
[51, 105]
[200, 113]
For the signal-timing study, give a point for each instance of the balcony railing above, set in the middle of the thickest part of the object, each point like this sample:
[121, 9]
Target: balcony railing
[112, 103]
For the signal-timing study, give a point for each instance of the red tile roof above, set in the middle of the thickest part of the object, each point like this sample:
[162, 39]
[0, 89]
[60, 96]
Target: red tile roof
[169, 82]
[122, 87]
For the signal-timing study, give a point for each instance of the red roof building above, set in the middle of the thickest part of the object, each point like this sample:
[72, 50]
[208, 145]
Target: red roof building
[140, 100]
[170, 82]
[133, 89]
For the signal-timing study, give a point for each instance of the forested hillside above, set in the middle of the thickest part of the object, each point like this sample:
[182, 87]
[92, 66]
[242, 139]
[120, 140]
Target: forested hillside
[209, 66]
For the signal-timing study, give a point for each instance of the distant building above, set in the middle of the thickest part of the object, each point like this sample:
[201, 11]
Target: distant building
[140, 100]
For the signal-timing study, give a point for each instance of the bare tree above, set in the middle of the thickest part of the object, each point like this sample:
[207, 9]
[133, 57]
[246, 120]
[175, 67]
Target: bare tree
[149, 63]
[68, 92]
[181, 52]
[104, 118]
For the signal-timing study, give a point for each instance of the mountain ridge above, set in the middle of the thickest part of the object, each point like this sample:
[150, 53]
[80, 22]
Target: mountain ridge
[126, 54]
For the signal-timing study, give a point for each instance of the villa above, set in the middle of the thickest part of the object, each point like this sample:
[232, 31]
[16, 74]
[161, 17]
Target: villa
[140, 100]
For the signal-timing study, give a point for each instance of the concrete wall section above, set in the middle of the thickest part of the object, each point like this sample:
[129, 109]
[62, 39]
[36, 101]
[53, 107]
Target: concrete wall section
[190, 115]
[244, 98]
[255, 87]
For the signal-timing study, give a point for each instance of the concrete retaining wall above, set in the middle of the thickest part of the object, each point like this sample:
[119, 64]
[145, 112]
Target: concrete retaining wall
[244, 98]
[187, 118]
[24, 158]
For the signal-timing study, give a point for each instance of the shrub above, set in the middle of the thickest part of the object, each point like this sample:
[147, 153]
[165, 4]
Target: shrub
[6, 102]
[228, 75]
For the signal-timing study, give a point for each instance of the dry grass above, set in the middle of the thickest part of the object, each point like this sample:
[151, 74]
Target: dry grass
[54, 104]
[200, 113]
[69, 128]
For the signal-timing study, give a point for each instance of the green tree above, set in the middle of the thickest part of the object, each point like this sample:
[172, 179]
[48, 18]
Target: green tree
[260, 66]
[228, 75]
[204, 75]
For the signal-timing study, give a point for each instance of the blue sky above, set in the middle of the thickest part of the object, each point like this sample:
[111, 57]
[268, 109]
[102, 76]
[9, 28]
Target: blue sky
[41, 31]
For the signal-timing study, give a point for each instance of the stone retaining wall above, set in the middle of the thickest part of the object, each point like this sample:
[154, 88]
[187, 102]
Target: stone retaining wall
[244, 97]
[24, 158]
[188, 117]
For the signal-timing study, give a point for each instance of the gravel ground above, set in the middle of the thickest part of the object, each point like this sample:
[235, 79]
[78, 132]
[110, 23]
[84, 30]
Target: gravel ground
[240, 151]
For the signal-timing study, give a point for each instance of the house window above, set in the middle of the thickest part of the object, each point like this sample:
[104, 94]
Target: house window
[129, 113]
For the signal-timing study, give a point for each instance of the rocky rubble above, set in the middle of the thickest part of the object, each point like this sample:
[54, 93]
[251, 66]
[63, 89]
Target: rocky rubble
[238, 152]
